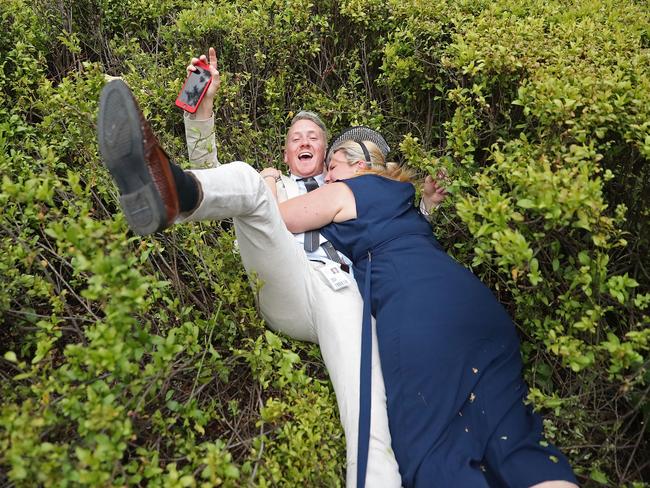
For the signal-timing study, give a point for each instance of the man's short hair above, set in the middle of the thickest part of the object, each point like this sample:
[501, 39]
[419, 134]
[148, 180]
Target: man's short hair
[312, 116]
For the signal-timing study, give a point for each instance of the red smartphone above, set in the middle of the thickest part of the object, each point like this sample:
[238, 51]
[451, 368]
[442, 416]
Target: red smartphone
[194, 88]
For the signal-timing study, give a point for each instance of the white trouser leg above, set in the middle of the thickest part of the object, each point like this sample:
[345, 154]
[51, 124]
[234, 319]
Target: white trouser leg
[268, 250]
[338, 316]
[296, 301]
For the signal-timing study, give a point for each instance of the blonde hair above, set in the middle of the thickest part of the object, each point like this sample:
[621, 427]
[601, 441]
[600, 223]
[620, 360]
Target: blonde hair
[353, 152]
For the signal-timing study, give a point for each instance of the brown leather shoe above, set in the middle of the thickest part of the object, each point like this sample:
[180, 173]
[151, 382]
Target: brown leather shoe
[138, 164]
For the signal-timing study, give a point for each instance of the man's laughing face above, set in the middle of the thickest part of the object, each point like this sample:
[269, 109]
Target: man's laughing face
[304, 151]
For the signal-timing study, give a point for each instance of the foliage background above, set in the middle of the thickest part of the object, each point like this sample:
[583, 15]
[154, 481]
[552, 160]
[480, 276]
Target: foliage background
[133, 361]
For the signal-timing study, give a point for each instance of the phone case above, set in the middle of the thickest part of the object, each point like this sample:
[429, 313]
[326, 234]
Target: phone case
[194, 88]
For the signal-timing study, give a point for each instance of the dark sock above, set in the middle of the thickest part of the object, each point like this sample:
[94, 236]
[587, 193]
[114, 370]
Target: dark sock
[187, 187]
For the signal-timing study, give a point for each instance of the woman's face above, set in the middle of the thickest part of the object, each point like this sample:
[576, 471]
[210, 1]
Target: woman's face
[339, 169]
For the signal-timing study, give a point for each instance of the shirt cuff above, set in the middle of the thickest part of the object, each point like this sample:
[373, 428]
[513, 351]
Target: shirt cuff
[191, 119]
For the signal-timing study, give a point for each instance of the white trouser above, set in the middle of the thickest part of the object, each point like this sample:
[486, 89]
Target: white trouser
[296, 301]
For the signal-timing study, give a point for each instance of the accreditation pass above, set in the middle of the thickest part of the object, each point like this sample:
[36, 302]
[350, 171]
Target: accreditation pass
[336, 278]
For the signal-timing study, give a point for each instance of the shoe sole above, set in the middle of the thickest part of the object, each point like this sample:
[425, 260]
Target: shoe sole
[121, 145]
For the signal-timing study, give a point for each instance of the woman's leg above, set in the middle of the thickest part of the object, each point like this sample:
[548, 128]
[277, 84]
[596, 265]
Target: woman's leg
[516, 450]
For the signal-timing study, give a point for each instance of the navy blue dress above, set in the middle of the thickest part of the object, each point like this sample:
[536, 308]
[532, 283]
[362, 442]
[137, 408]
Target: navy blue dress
[449, 354]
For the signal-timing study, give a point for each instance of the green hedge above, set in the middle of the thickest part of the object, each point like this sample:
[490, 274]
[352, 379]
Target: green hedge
[143, 361]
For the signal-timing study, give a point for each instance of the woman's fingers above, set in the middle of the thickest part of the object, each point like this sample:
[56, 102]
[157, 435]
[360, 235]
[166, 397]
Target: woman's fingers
[443, 176]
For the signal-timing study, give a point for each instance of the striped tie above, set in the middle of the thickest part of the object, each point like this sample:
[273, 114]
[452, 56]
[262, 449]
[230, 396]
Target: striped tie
[312, 237]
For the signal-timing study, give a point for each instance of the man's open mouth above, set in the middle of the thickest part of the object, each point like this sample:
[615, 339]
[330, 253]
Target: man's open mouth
[305, 155]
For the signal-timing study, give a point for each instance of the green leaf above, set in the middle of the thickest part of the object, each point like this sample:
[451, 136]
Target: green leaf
[598, 476]
[11, 357]
[525, 203]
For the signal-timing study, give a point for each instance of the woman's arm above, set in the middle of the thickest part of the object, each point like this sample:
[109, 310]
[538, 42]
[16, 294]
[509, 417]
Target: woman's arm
[330, 203]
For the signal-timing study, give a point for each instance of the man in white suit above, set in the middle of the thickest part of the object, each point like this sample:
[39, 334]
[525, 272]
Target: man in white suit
[296, 297]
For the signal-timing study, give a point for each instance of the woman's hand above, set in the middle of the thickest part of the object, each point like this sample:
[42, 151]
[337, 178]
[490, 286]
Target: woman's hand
[433, 191]
[205, 108]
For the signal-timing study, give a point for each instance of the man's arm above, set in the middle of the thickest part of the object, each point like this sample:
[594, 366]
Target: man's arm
[199, 127]
[271, 176]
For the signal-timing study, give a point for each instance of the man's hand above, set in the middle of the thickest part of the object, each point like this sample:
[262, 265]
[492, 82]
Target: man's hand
[205, 108]
[270, 177]
[433, 191]
[271, 173]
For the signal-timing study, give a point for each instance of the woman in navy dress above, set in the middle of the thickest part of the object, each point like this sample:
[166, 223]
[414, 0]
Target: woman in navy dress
[449, 351]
